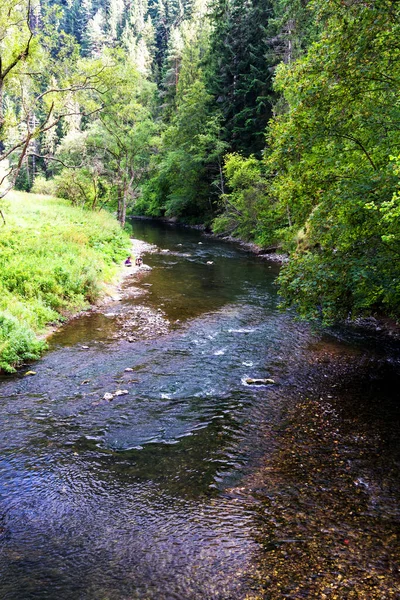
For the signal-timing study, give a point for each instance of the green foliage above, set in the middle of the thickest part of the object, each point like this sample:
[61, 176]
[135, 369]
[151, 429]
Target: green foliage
[331, 159]
[320, 179]
[43, 186]
[17, 343]
[190, 147]
[246, 204]
[292, 27]
[238, 73]
[120, 142]
[53, 260]
[83, 187]
[40, 80]
[189, 155]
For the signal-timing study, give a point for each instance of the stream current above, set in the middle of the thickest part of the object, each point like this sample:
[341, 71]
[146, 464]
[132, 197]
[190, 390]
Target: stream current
[193, 484]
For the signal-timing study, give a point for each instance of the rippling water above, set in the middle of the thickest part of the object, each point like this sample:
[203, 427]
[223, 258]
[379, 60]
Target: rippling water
[157, 493]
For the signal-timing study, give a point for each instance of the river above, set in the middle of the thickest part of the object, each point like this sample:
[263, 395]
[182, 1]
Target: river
[193, 483]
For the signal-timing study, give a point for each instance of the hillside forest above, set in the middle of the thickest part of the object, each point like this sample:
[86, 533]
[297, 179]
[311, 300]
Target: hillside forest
[276, 122]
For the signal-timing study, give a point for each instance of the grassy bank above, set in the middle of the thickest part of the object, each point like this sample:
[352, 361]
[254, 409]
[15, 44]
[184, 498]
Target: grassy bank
[54, 259]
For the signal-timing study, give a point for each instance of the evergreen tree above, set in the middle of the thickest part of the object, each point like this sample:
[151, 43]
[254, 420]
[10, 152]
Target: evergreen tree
[96, 33]
[239, 75]
[191, 149]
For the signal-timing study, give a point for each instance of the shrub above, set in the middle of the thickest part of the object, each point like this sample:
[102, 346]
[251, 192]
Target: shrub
[43, 186]
[17, 343]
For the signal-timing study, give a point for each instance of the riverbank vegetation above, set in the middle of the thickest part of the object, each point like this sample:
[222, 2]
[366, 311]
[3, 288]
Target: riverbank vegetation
[54, 259]
[274, 121]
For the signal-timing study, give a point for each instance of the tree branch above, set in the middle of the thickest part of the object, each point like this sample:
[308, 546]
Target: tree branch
[356, 141]
[25, 52]
[57, 160]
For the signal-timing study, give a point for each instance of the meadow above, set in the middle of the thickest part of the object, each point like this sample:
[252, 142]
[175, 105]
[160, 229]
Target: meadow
[54, 262]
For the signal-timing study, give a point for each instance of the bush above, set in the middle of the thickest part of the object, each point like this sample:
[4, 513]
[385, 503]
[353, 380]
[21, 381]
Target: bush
[17, 343]
[43, 186]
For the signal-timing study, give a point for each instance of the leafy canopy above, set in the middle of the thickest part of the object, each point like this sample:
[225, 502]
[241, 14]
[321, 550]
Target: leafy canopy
[330, 156]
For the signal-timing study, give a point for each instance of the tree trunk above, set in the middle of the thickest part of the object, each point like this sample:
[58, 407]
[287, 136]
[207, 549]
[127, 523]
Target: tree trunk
[124, 203]
[221, 177]
[1, 107]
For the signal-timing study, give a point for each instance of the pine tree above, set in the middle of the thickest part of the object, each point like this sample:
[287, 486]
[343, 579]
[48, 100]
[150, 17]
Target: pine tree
[115, 13]
[96, 34]
[239, 75]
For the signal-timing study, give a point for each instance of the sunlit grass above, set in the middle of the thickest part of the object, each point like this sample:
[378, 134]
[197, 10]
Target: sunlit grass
[54, 259]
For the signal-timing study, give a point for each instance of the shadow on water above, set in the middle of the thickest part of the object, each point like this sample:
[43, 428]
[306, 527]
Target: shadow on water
[191, 483]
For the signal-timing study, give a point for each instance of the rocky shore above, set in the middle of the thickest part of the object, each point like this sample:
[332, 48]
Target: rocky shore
[113, 292]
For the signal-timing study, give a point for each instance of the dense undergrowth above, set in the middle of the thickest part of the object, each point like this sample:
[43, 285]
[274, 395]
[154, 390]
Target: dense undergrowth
[54, 259]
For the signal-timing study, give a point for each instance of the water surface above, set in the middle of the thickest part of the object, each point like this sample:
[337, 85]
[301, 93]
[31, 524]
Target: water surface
[162, 492]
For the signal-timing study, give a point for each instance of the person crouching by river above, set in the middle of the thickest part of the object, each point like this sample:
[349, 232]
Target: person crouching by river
[128, 262]
[139, 261]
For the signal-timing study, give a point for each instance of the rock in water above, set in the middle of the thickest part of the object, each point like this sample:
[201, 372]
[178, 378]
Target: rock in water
[121, 393]
[251, 381]
[30, 373]
[108, 396]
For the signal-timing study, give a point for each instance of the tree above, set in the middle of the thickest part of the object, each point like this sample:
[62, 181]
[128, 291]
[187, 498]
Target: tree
[17, 47]
[191, 150]
[331, 164]
[244, 199]
[81, 175]
[292, 27]
[239, 76]
[37, 79]
[121, 138]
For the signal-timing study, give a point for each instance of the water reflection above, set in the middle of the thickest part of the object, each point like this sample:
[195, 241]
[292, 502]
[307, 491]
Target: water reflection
[153, 494]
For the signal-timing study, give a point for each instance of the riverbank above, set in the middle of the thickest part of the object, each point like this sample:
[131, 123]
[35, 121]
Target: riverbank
[386, 327]
[56, 260]
[112, 291]
[266, 253]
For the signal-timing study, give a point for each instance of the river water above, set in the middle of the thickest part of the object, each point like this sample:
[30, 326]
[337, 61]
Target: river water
[193, 483]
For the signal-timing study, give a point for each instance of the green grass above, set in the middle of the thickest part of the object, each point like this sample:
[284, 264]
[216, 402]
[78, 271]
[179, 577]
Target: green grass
[54, 260]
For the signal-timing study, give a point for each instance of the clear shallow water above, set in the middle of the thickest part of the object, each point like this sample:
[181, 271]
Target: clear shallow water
[145, 496]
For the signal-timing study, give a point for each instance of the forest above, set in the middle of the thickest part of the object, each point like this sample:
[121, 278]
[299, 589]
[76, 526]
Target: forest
[275, 122]
[219, 419]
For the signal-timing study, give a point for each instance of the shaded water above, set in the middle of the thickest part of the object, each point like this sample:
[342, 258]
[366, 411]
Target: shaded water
[163, 492]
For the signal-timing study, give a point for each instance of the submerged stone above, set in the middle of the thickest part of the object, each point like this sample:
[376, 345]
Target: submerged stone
[251, 381]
